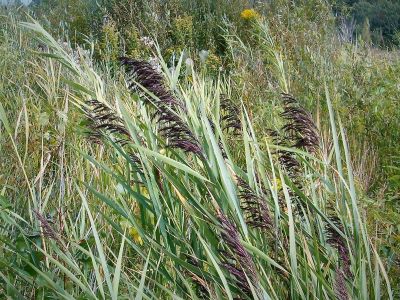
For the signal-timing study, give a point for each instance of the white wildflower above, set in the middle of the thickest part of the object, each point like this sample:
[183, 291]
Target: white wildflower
[154, 62]
[203, 55]
[189, 65]
[147, 41]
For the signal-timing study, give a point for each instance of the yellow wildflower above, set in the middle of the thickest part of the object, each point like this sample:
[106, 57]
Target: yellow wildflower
[397, 238]
[135, 235]
[144, 191]
[213, 63]
[278, 184]
[249, 14]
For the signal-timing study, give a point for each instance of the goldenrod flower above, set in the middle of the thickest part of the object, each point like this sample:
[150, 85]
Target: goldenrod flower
[249, 14]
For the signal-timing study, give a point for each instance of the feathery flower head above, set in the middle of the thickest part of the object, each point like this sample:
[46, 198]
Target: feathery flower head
[47, 229]
[300, 127]
[339, 287]
[142, 75]
[202, 286]
[236, 260]
[104, 121]
[339, 243]
[255, 207]
[230, 115]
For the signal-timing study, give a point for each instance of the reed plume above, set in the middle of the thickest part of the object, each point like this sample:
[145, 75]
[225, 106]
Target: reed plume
[339, 286]
[47, 230]
[339, 243]
[300, 127]
[235, 259]
[230, 115]
[142, 77]
[255, 207]
[104, 122]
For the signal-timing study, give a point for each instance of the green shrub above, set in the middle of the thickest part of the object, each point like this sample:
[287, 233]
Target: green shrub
[108, 47]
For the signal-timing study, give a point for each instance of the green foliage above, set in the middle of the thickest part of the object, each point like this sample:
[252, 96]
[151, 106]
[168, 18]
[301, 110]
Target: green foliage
[77, 17]
[133, 45]
[182, 31]
[384, 15]
[366, 32]
[108, 46]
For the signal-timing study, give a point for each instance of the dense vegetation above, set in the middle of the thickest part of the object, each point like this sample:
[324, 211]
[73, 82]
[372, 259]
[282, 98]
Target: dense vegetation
[199, 149]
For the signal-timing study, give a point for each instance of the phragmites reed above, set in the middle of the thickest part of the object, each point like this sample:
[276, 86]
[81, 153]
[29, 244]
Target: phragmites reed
[104, 121]
[230, 116]
[339, 286]
[286, 159]
[220, 144]
[339, 243]
[203, 288]
[177, 133]
[255, 207]
[289, 162]
[298, 132]
[300, 127]
[229, 121]
[235, 259]
[143, 77]
[47, 229]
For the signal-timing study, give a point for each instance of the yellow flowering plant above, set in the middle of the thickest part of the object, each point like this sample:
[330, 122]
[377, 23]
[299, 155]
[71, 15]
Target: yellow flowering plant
[249, 15]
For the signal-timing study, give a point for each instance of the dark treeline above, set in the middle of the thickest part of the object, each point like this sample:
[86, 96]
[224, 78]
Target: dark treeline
[380, 19]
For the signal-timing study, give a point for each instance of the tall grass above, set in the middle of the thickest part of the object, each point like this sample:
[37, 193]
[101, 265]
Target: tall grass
[161, 189]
